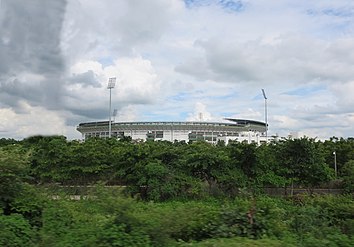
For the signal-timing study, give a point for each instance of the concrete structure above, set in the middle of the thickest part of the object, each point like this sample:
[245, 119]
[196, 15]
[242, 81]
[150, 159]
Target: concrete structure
[235, 129]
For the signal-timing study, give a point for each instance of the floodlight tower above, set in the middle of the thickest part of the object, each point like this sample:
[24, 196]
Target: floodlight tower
[111, 84]
[265, 113]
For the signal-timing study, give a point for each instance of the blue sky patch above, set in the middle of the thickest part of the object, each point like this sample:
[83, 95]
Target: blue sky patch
[339, 12]
[106, 61]
[181, 96]
[304, 91]
[225, 96]
[232, 5]
[227, 5]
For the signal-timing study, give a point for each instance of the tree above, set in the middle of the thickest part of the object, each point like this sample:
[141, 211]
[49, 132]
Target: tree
[90, 161]
[348, 176]
[242, 158]
[205, 162]
[303, 160]
[14, 166]
[15, 231]
[269, 170]
[49, 159]
[344, 149]
[8, 141]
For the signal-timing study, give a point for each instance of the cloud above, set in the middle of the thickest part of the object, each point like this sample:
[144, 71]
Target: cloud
[344, 95]
[114, 28]
[127, 114]
[200, 113]
[34, 121]
[31, 36]
[295, 59]
[87, 78]
[137, 83]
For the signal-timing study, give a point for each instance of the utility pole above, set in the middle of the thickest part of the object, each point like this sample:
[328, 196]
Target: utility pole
[335, 164]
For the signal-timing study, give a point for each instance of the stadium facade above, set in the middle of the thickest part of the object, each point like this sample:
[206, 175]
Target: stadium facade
[240, 130]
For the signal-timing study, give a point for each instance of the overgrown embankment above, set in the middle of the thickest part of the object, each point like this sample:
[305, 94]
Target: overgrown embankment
[175, 194]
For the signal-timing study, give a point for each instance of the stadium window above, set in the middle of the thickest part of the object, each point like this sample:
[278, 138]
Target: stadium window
[159, 134]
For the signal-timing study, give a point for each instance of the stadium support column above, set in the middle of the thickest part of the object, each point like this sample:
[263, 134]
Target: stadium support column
[172, 133]
[111, 84]
[265, 113]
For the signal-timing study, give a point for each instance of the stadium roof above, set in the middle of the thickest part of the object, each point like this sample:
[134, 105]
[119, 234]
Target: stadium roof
[241, 124]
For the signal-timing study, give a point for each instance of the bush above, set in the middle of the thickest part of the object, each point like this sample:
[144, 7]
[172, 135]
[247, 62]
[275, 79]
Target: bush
[238, 242]
[15, 231]
[121, 235]
[348, 176]
[332, 240]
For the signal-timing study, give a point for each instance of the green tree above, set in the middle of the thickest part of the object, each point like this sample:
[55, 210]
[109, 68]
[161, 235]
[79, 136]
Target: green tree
[242, 158]
[14, 164]
[8, 141]
[15, 231]
[304, 161]
[90, 161]
[348, 176]
[269, 171]
[49, 159]
[205, 162]
[344, 149]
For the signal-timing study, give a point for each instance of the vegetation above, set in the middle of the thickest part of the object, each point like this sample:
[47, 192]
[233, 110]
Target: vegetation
[173, 194]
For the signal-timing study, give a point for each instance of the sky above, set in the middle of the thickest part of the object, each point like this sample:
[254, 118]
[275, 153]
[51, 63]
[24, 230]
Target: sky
[177, 60]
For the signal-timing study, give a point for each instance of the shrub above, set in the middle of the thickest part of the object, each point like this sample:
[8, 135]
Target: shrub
[348, 176]
[15, 231]
[238, 242]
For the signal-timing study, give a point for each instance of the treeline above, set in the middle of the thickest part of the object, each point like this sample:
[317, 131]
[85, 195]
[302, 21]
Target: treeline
[164, 170]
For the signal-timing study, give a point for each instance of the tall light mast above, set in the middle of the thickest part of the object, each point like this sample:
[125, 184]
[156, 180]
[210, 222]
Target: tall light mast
[111, 84]
[265, 113]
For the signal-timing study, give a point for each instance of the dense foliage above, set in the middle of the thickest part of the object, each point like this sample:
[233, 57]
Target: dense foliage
[164, 170]
[173, 194]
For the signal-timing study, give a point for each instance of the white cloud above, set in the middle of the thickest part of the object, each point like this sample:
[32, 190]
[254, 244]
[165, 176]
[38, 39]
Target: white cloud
[98, 29]
[344, 96]
[127, 114]
[137, 83]
[291, 60]
[36, 121]
[200, 113]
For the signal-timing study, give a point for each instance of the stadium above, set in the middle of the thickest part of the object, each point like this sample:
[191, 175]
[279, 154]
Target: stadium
[240, 130]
